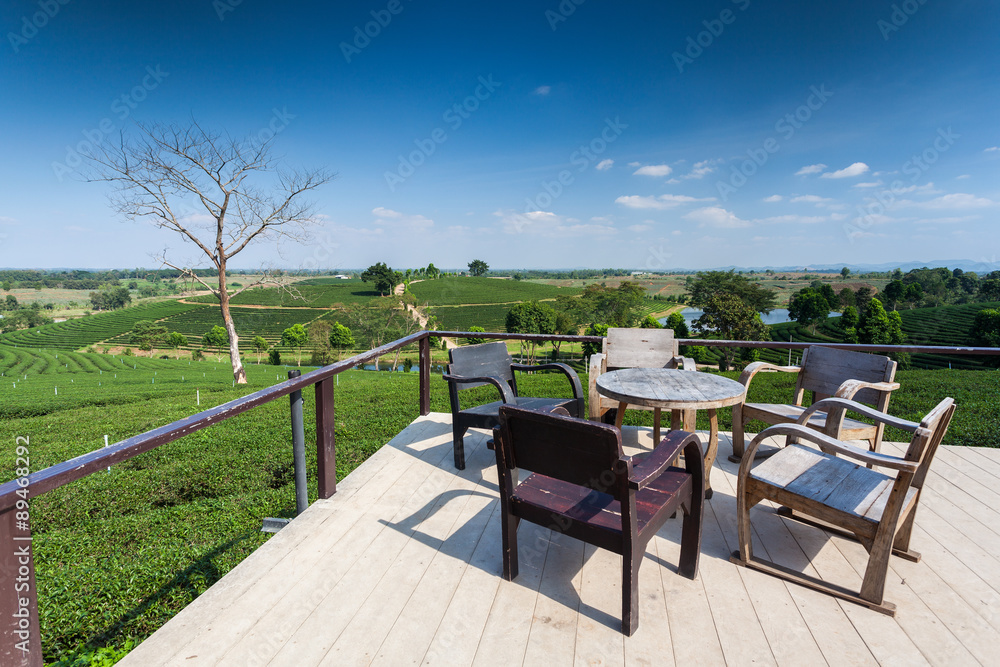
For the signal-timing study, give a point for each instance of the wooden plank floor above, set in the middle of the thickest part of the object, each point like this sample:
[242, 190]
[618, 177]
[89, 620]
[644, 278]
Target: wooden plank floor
[402, 566]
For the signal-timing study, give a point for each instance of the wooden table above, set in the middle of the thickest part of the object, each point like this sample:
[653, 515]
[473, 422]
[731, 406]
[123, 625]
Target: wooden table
[674, 390]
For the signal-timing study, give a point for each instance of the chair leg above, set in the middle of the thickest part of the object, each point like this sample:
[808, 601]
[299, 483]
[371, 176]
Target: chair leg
[687, 566]
[873, 584]
[739, 442]
[901, 543]
[459, 441]
[631, 560]
[744, 536]
[509, 530]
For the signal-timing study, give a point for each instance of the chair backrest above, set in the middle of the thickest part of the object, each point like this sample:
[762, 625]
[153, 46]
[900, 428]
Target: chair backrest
[480, 360]
[824, 369]
[640, 348]
[927, 437]
[562, 447]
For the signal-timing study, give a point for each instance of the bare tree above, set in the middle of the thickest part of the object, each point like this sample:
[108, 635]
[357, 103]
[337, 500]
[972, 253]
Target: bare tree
[173, 176]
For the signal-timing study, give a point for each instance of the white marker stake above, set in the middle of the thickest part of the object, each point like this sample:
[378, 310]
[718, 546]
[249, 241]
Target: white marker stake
[57, 390]
[198, 394]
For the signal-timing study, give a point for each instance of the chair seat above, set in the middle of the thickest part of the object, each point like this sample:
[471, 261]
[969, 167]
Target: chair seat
[487, 410]
[789, 414]
[541, 494]
[837, 483]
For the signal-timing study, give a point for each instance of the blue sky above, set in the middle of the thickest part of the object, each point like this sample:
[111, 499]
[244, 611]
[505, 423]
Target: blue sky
[579, 133]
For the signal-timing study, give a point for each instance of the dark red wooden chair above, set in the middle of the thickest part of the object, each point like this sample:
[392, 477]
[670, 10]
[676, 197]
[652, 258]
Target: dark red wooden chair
[490, 364]
[582, 485]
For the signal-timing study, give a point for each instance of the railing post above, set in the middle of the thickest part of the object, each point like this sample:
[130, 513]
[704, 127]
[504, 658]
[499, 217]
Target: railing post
[425, 375]
[21, 643]
[298, 448]
[326, 451]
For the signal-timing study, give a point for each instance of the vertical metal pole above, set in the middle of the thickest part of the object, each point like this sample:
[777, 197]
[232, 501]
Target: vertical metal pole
[20, 641]
[326, 450]
[425, 375]
[298, 448]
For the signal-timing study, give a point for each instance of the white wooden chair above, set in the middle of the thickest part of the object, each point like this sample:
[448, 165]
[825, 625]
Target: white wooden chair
[876, 508]
[826, 372]
[635, 348]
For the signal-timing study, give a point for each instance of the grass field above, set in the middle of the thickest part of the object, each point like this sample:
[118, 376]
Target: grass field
[454, 291]
[303, 294]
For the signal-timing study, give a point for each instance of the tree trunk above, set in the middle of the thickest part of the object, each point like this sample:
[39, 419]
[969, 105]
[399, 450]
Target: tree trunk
[239, 373]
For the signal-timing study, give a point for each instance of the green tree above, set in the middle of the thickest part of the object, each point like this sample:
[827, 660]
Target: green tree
[989, 290]
[478, 267]
[260, 345]
[319, 340]
[531, 317]
[848, 323]
[986, 328]
[707, 284]
[844, 272]
[731, 318]
[10, 303]
[476, 341]
[597, 329]
[877, 327]
[893, 293]
[341, 338]
[649, 322]
[217, 338]
[295, 336]
[176, 340]
[6, 286]
[846, 298]
[808, 308]
[384, 278]
[147, 334]
[678, 324]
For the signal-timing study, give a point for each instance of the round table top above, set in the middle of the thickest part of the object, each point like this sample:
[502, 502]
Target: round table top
[670, 388]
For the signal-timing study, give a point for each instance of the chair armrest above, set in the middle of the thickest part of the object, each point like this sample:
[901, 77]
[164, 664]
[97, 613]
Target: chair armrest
[833, 405]
[850, 387]
[505, 391]
[758, 366]
[827, 444]
[683, 363]
[652, 466]
[574, 379]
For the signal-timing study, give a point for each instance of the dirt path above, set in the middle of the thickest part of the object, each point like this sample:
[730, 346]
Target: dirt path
[422, 319]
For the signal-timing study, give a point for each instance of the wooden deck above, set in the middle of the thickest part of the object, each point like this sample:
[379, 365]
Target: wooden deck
[402, 566]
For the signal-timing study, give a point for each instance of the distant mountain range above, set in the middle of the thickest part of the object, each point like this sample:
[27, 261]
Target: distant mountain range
[979, 267]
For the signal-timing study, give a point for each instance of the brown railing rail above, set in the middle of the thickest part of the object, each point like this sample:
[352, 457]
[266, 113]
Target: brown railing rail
[20, 643]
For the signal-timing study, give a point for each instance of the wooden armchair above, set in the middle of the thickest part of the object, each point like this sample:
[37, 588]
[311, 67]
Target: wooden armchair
[582, 485]
[827, 372]
[634, 348]
[876, 508]
[490, 364]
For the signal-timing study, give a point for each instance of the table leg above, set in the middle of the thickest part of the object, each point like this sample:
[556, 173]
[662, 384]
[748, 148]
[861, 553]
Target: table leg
[711, 450]
[620, 416]
[675, 420]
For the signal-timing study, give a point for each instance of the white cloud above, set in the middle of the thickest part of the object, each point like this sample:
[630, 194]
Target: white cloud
[873, 184]
[700, 169]
[659, 203]
[7, 221]
[639, 228]
[634, 164]
[543, 90]
[962, 177]
[958, 200]
[397, 220]
[992, 149]
[773, 198]
[714, 216]
[811, 169]
[546, 223]
[792, 219]
[604, 165]
[811, 199]
[853, 170]
[653, 170]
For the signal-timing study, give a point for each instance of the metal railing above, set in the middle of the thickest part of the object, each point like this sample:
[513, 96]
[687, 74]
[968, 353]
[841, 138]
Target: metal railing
[20, 641]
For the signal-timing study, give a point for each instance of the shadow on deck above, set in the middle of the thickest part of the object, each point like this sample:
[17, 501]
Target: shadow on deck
[402, 565]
